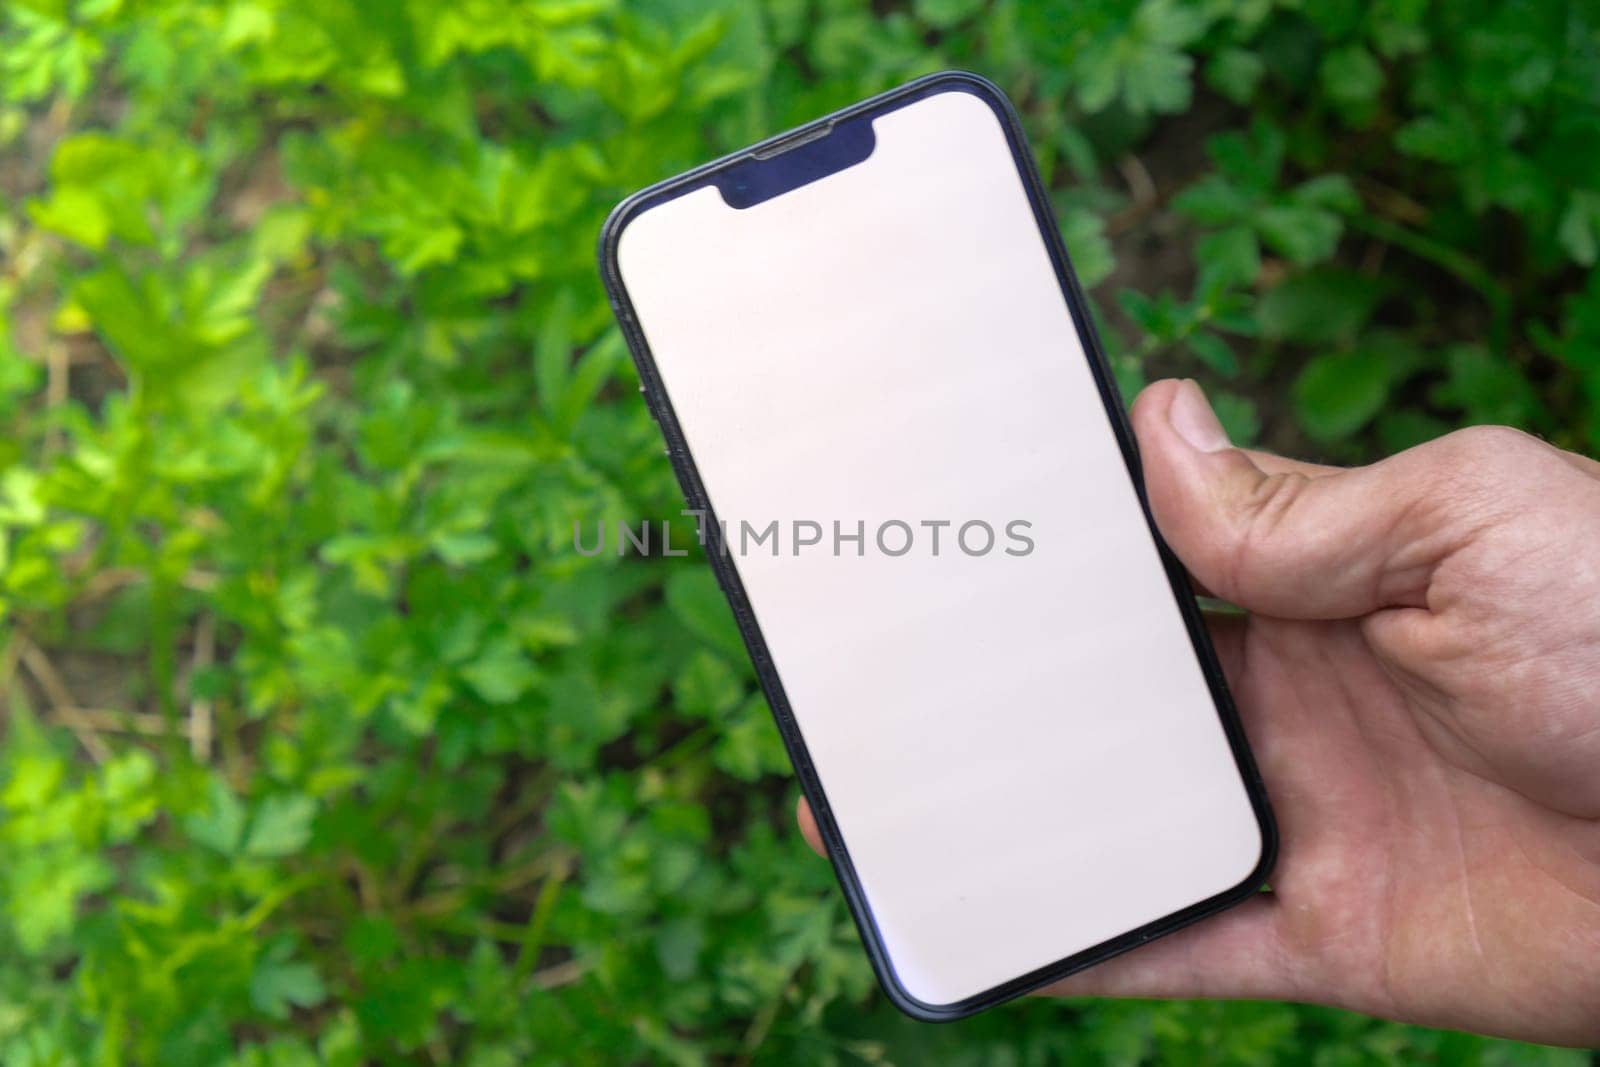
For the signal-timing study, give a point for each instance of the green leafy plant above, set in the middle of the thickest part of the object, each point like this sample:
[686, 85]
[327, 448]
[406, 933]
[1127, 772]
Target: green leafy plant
[324, 746]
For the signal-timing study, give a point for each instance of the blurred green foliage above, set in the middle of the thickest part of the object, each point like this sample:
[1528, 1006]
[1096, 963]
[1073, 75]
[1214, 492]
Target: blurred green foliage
[323, 746]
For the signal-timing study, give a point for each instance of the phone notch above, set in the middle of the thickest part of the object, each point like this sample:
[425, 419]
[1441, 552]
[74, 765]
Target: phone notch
[797, 160]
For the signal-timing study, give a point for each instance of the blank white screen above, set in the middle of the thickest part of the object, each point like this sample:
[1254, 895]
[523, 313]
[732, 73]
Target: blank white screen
[1021, 752]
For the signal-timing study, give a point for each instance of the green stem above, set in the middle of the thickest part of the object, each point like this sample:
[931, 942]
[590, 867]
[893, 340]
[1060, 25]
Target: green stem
[164, 659]
[1456, 262]
[538, 919]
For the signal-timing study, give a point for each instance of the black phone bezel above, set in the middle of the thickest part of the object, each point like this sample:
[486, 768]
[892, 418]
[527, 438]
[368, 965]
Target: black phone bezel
[727, 576]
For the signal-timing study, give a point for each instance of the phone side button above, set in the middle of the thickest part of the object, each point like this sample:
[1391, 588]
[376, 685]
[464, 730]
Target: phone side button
[685, 484]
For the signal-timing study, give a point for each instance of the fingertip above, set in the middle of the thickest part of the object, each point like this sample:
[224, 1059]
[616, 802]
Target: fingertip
[808, 827]
[1192, 477]
[1149, 409]
[1160, 415]
[1171, 467]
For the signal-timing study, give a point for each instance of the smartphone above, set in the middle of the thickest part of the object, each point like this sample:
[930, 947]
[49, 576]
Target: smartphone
[880, 388]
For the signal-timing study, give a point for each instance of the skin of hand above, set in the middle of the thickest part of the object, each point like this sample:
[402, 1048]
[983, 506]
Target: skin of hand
[1418, 672]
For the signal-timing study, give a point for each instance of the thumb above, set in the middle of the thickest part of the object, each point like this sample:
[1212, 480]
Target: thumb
[1326, 545]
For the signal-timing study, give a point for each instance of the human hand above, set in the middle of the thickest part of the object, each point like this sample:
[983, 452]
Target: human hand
[1419, 677]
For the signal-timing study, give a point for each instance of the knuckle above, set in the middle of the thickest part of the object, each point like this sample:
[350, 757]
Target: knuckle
[1487, 443]
[1271, 498]
[1262, 517]
[1486, 463]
